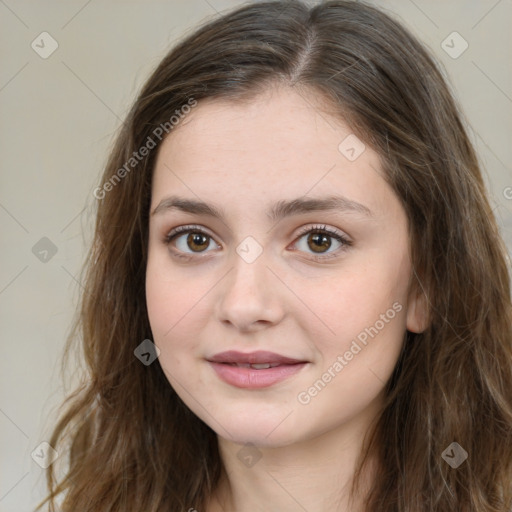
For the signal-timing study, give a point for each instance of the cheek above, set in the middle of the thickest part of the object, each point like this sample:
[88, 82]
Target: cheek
[160, 298]
[164, 312]
[355, 364]
[168, 292]
[353, 298]
[359, 315]
[177, 314]
[166, 299]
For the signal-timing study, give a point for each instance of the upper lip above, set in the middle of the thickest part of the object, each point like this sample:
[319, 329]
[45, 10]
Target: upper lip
[258, 357]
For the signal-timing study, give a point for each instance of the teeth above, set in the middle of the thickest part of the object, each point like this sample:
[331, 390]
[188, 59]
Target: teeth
[256, 366]
[260, 366]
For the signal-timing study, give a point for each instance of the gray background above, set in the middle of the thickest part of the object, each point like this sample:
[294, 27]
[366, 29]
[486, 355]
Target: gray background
[59, 116]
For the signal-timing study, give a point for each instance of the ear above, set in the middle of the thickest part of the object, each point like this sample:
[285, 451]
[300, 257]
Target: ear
[417, 310]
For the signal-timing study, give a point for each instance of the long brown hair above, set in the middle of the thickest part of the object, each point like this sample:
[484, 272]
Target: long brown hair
[133, 445]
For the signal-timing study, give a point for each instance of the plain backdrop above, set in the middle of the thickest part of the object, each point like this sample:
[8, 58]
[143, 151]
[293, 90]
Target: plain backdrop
[58, 118]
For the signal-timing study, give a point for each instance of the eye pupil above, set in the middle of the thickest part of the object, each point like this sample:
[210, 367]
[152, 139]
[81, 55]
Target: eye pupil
[195, 238]
[322, 238]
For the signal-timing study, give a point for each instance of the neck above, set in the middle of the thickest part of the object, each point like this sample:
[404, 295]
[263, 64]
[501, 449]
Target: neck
[313, 475]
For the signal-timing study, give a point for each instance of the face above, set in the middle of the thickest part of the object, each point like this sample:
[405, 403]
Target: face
[320, 294]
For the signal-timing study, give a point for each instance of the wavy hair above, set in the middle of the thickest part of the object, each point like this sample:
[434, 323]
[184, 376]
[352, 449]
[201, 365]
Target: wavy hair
[133, 445]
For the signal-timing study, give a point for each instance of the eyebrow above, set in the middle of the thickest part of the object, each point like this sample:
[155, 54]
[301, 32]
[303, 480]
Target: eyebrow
[278, 210]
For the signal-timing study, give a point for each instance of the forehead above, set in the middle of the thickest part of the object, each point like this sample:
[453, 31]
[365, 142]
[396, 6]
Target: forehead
[282, 143]
[278, 120]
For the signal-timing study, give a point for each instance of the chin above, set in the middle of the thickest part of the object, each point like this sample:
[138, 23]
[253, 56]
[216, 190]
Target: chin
[257, 437]
[255, 428]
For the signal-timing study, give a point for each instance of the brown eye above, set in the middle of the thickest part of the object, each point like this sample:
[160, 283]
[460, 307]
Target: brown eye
[199, 240]
[196, 241]
[319, 241]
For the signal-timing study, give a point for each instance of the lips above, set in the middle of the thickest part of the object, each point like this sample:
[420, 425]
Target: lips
[254, 370]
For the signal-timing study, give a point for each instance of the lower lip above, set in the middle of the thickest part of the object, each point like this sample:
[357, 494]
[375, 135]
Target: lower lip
[254, 379]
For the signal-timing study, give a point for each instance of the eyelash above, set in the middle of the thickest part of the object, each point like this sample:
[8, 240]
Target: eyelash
[323, 229]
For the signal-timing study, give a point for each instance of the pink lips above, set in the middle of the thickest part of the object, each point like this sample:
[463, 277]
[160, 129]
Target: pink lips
[281, 367]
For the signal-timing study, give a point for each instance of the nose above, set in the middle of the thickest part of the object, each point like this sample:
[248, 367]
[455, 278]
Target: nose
[251, 297]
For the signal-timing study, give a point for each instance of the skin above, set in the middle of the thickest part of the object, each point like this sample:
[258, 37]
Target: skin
[243, 157]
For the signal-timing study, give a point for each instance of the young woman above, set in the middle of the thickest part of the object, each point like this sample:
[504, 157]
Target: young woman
[297, 297]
